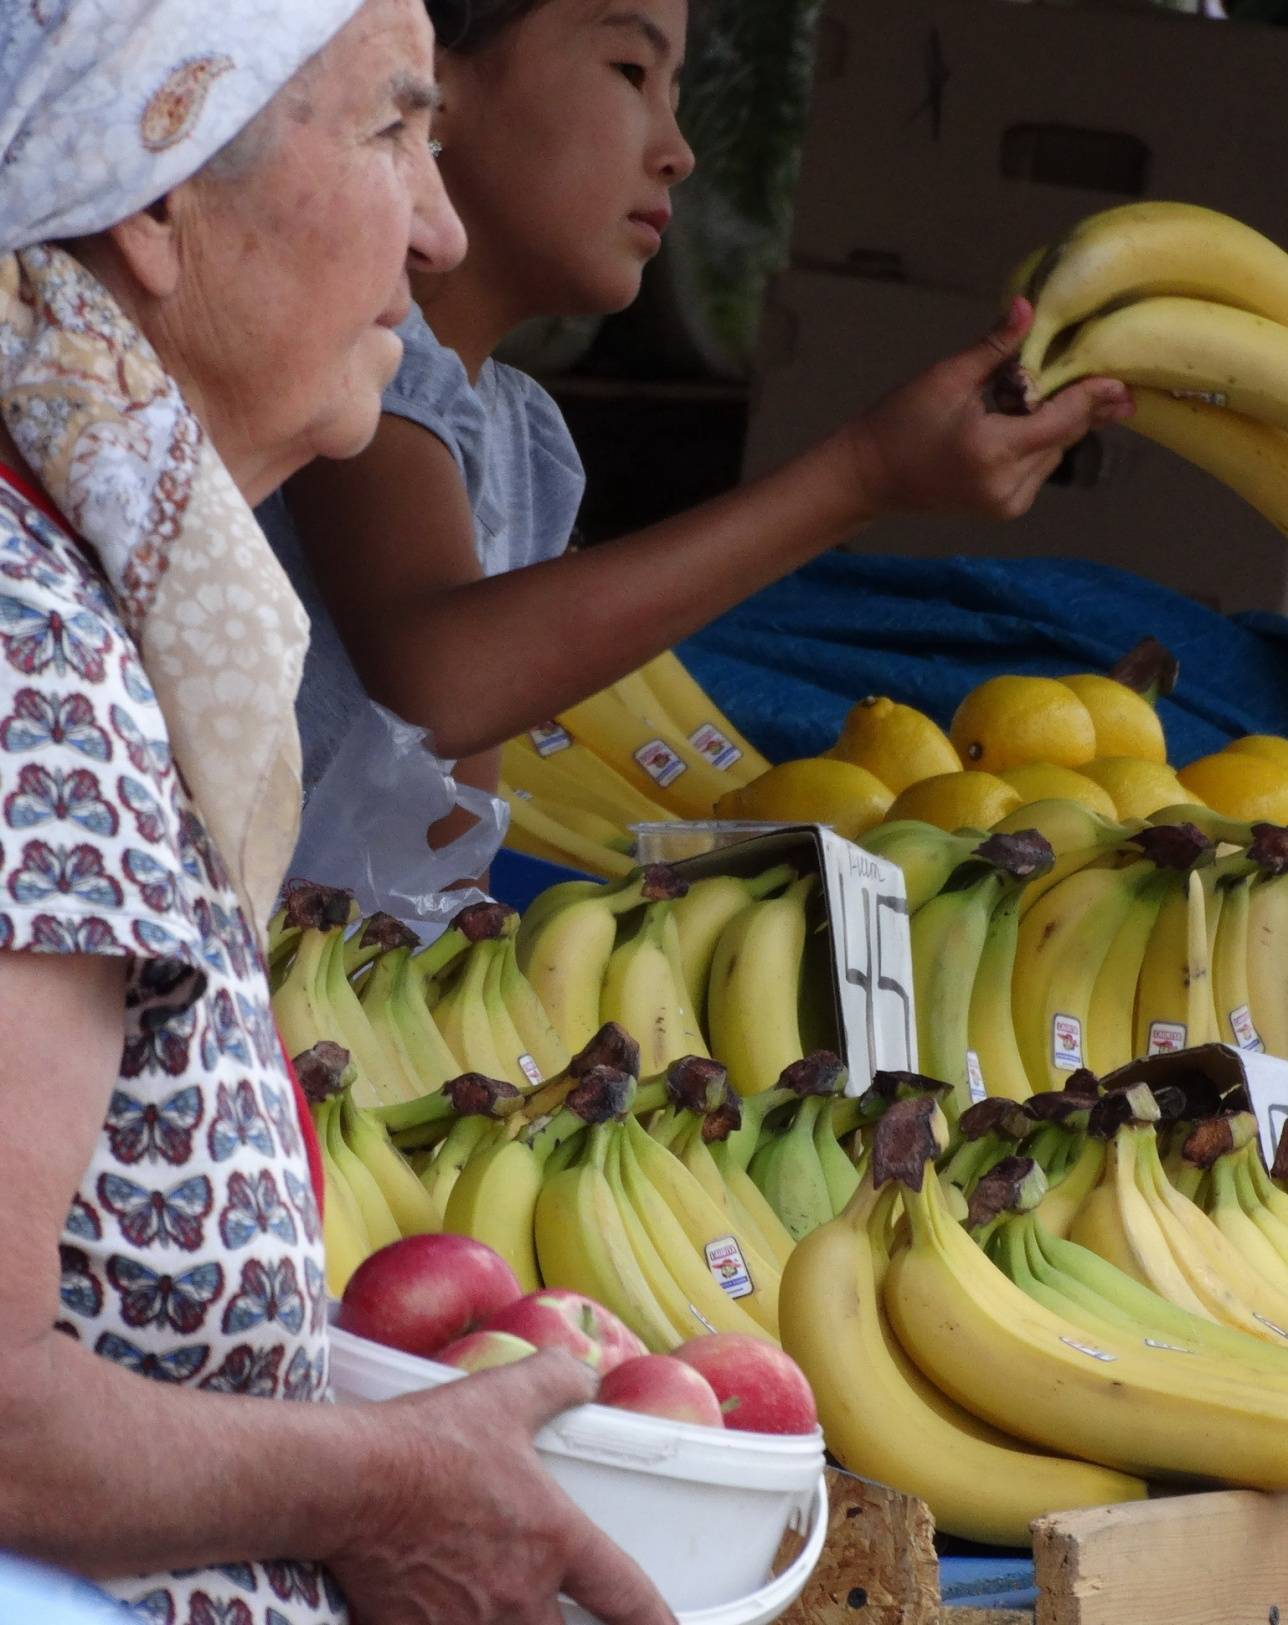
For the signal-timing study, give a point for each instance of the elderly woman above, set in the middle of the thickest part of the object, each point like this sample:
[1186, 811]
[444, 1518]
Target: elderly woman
[206, 216]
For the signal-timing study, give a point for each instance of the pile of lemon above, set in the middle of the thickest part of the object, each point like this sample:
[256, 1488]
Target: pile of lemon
[1014, 740]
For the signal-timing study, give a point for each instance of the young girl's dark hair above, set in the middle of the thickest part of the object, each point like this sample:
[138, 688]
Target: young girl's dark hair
[468, 25]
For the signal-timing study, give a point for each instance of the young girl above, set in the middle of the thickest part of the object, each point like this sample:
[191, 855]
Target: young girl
[434, 566]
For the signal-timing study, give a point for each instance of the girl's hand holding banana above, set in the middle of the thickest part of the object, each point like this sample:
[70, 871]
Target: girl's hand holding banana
[936, 445]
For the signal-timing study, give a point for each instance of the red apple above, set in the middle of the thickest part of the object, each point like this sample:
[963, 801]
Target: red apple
[481, 1351]
[760, 1388]
[423, 1292]
[657, 1385]
[559, 1319]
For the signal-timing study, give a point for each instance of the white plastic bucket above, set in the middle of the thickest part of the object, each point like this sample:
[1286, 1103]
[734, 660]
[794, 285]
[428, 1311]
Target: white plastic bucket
[700, 1510]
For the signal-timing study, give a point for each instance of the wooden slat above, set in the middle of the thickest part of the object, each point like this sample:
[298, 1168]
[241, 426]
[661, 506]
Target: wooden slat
[878, 1566]
[1209, 1559]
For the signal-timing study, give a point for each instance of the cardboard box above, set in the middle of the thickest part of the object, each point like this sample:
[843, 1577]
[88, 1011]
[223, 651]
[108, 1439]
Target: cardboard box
[832, 344]
[869, 952]
[949, 138]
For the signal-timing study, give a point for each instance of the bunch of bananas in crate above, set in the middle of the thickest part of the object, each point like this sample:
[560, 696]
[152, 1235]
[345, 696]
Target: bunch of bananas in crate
[1084, 942]
[453, 1083]
[1055, 1304]
[650, 748]
[1190, 307]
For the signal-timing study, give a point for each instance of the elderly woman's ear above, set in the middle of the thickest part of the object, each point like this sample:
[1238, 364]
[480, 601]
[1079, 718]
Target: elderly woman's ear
[144, 246]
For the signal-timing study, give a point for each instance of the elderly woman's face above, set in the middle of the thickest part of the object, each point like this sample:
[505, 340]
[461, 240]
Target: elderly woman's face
[293, 274]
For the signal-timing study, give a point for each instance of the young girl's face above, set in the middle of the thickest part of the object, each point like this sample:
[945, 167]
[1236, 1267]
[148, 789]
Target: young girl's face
[561, 148]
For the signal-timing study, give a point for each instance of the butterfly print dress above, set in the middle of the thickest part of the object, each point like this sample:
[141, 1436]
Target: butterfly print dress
[192, 1252]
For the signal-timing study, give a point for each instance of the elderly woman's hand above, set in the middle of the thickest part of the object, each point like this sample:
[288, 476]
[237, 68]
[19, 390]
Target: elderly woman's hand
[467, 1529]
[934, 445]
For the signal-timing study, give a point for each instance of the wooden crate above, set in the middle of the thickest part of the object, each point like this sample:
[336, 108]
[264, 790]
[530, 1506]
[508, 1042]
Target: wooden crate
[1216, 1558]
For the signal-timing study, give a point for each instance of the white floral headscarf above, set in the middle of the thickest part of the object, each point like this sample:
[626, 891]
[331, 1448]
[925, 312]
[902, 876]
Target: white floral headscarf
[105, 105]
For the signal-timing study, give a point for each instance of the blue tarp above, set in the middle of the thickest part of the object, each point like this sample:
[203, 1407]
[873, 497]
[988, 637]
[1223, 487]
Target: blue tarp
[787, 665]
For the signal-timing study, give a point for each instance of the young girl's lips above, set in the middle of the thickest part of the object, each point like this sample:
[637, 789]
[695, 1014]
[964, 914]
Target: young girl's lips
[651, 225]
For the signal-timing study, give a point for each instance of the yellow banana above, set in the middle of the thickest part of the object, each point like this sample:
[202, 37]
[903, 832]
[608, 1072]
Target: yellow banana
[990, 1023]
[1127, 1405]
[652, 756]
[1249, 456]
[1268, 962]
[704, 911]
[1229, 955]
[1174, 995]
[642, 993]
[748, 1212]
[1227, 357]
[691, 710]
[399, 1016]
[693, 1286]
[925, 854]
[536, 1031]
[378, 1220]
[536, 830]
[1109, 1031]
[1142, 250]
[565, 957]
[405, 1196]
[708, 1223]
[582, 1245]
[494, 1200]
[1228, 1286]
[948, 935]
[463, 1019]
[574, 773]
[754, 989]
[884, 1420]
[345, 1241]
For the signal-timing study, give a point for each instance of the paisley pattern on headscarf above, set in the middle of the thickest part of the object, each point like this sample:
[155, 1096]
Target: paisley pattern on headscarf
[105, 105]
[222, 635]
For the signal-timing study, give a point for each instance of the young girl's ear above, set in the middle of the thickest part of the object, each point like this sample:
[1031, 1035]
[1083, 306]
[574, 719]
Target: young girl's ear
[449, 71]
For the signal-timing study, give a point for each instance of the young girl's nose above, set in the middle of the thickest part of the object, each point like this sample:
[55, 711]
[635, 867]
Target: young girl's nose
[677, 159]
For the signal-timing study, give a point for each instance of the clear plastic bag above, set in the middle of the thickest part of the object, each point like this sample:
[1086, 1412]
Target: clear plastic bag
[364, 825]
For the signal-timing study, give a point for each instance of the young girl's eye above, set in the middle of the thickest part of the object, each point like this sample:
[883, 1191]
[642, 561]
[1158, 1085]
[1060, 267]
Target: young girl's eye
[634, 73]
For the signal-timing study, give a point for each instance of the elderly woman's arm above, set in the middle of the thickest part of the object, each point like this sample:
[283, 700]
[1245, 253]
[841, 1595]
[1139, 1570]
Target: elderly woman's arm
[432, 1507]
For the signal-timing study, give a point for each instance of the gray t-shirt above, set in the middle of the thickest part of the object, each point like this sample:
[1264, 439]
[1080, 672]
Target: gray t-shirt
[523, 477]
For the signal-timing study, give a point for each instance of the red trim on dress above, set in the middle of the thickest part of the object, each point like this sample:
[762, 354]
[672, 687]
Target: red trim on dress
[33, 494]
[312, 1146]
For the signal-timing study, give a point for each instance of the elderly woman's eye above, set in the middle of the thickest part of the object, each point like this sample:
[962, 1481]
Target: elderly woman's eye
[394, 131]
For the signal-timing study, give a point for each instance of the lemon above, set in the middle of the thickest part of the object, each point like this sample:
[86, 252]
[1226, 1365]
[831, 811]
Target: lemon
[1244, 787]
[1008, 721]
[896, 742]
[1137, 787]
[965, 799]
[1268, 746]
[815, 790]
[1044, 781]
[1126, 723]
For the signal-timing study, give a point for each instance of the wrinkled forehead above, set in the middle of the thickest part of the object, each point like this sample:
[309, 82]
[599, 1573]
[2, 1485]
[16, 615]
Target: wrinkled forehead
[386, 53]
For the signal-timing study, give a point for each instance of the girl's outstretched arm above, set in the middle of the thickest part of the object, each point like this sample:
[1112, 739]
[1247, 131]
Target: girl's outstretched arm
[478, 660]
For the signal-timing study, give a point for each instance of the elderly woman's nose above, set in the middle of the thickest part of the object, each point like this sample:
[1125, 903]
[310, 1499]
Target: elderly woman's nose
[438, 241]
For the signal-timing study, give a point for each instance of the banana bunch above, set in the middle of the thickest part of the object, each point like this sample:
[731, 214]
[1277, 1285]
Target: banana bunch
[411, 1017]
[1188, 306]
[801, 1163]
[371, 1195]
[644, 1220]
[1021, 1357]
[1090, 943]
[648, 749]
[717, 967]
